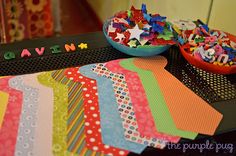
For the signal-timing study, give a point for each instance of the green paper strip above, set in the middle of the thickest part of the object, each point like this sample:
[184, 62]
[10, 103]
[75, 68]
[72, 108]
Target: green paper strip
[75, 123]
[162, 117]
[60, 116]
[59, 113]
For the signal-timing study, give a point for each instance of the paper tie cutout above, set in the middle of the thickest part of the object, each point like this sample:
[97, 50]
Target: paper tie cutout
[60, 116]
[189, 111]
[162, 117]
[43, 132]
[111, 125]
[92, 114]
[28, 118]
[125, 108]
[9, 129]
[145, 121]
[59, 145]
[75, 123]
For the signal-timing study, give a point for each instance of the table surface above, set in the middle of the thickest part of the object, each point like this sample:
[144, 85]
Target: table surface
[218, 90]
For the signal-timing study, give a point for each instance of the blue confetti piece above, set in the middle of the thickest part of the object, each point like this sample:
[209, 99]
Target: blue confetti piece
[228, 49]
[123, 28]
[205, 27]
[158, 19]
[128, 20]
[157, 28]
[145, 33]
[181, 40]
[231, 56]
[144, 9]
[117, 25]
[207, 59]
[147, 17]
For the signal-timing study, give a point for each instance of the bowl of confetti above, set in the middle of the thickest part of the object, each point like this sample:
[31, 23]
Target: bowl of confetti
[211, 50]
[138, 33]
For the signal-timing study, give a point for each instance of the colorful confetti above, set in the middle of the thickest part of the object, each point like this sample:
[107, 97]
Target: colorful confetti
[135, 28]
[204, 44]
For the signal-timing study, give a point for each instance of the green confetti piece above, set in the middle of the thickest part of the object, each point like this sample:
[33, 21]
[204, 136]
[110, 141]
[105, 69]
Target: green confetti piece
[198, 40]
[129, 13]
[166, 35]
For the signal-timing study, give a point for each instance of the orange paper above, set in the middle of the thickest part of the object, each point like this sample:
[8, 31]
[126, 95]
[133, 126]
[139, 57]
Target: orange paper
[189, 111]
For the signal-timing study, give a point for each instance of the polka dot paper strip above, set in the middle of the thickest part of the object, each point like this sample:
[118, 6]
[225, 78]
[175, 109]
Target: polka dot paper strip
[145, 121]
[111, 124]
[28, 118]
[43, 132]
[9, 129]
[92, 114]
[162, 117]
[75, 123]
[125, 108]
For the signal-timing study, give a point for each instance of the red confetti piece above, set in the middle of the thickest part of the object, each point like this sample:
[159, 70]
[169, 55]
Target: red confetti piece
[118, 30]
[137, 15]
[186, 47]
[127, 36]
[161, 41]
[128, 26]
[145, 22]
[161, 23]
[150, 37]
[122, 14]
[187, 33]
[113, 36]
[155, 15]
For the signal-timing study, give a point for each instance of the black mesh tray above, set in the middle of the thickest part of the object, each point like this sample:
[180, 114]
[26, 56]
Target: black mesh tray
[218, 90]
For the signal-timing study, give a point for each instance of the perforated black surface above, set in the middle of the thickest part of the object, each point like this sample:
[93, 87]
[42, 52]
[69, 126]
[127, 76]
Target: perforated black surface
[218, 90]
[211, 87]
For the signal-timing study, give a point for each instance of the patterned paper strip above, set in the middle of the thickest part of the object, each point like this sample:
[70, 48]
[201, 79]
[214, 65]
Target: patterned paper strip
[189, 111]
[125, 108]
[9, 129]
[60, 116]
[92, 114]
[28, 118]
[75, 123]
[162, 117]
[59, 113]
[145, 121]
[111, 124]
[43, 132]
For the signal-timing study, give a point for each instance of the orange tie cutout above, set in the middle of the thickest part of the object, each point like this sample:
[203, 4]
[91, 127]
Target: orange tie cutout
[189, 111]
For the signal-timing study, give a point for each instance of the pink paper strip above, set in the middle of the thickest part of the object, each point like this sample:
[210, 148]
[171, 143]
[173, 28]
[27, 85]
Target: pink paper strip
[9, 130]
[43, 134]
[145, 121]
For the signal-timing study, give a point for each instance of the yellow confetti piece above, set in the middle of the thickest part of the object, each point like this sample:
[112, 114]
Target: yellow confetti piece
[177, 29]
[83, 46]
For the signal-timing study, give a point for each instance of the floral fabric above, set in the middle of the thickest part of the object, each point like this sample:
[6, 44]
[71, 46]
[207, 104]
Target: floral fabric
[25, 19]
